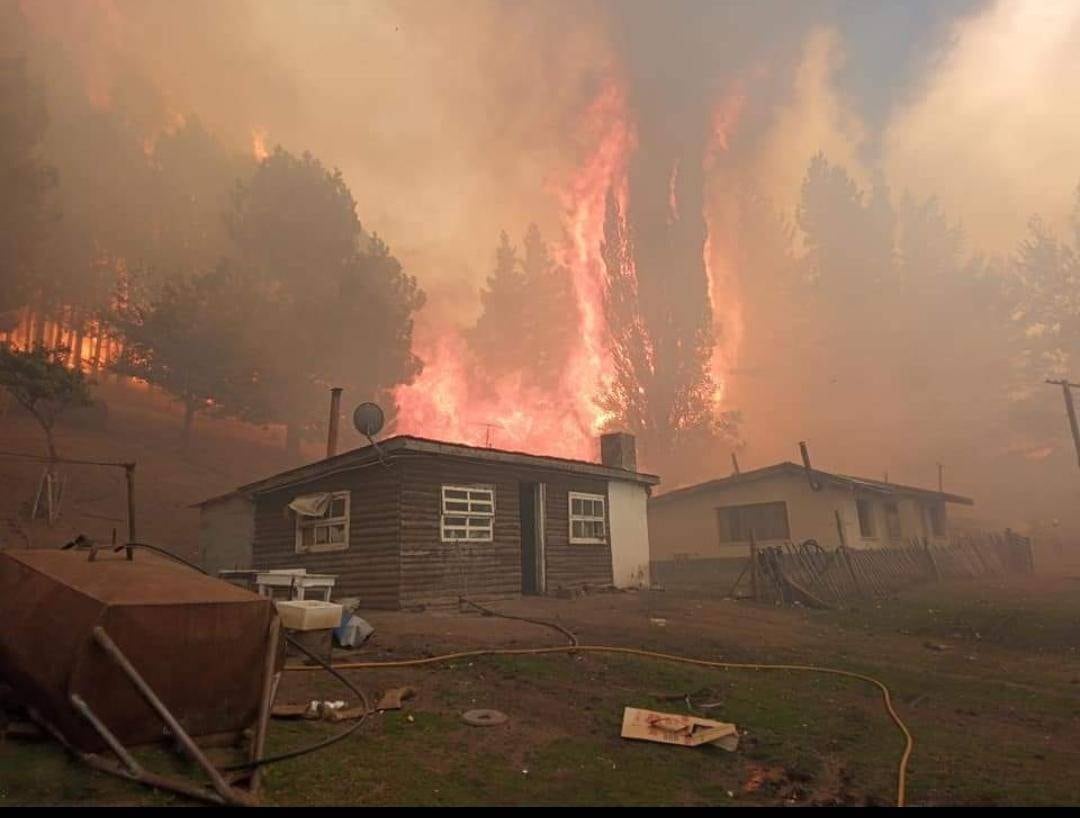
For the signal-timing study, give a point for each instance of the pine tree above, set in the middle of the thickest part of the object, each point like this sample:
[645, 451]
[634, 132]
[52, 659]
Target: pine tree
[499, 338]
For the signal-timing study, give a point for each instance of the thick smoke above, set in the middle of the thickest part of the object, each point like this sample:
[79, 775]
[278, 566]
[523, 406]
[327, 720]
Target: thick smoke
[454, 121]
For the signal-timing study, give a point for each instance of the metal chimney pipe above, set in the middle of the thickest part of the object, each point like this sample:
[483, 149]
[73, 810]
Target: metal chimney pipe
[335, 414]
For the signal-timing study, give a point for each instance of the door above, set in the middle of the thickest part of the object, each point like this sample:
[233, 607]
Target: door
[531, 512]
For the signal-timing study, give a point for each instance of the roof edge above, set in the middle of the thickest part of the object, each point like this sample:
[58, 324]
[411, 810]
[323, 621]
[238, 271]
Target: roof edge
[788, 467]
[395, 446]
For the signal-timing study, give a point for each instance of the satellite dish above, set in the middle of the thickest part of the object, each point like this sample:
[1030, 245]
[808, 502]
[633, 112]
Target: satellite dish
[368, 419]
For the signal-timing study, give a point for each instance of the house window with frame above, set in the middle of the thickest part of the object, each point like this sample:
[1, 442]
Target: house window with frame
[326, 530]
[865, 509]
[468, 514]
[768, 521]
[588, 517]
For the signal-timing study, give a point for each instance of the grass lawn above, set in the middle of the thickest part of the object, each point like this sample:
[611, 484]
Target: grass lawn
[986, 676]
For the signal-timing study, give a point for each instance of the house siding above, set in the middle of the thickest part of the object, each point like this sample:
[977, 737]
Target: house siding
[396, 558]
[370, 567]
[436, 573]
[226, 533]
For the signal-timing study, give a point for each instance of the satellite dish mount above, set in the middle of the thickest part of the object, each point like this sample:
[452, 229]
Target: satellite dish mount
[368, 418]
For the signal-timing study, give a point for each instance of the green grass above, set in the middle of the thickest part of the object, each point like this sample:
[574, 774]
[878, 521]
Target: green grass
[1016, 617]
[999, 728]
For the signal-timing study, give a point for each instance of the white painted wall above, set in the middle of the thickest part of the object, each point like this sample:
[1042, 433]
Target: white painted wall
[686, 527]
[628, 515]
[226, 534]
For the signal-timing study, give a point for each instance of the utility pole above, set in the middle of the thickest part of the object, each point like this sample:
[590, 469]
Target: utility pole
[940, 478]
[1070, 409]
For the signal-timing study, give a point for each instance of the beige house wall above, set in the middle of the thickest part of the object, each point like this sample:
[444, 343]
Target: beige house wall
[686, 527]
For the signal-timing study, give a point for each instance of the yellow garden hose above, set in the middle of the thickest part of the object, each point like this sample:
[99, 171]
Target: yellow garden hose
[909, 742]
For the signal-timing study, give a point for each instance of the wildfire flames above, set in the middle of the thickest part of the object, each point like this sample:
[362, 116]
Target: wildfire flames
[451, 399]
[448, 401]
[258, 144]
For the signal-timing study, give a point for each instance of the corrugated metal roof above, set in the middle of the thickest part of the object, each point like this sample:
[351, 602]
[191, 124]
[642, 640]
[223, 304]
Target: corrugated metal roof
[787, 467]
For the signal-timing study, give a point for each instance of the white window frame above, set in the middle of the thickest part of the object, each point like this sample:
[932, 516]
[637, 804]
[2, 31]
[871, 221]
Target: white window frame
[478, 513]
[304, 523]
[587, 518]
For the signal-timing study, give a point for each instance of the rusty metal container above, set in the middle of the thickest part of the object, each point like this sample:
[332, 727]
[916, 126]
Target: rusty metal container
[199, 642]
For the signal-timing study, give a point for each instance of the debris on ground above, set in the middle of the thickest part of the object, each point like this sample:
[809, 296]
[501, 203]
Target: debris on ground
[483, 718]
[392, 698]
[673, 728]
[353, 631]
[316, 710]
[705, 698]
[935, 646]
[660, 623]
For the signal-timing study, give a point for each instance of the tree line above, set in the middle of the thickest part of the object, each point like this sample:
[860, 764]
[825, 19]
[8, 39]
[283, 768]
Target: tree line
[241, 288]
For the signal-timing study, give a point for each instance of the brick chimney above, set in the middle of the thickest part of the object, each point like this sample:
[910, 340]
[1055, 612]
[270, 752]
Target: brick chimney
[618, 451]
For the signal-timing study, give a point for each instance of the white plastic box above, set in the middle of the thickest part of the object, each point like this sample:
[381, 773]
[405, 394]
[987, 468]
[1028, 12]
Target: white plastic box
[309, 614]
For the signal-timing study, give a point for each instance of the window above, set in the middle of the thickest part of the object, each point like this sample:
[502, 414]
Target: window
[865, 509]
[468, 513]
[328, 531]
[588, 522]
[892, 521]
[768, 521]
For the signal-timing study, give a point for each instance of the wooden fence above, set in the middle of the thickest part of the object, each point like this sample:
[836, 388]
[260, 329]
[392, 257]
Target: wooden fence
[811, 575]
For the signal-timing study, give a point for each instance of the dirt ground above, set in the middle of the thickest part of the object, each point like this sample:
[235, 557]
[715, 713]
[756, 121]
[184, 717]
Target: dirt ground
[986, 676]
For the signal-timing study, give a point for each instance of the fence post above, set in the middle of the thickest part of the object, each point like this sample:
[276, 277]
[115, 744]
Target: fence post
[754, 587]
[930, 559]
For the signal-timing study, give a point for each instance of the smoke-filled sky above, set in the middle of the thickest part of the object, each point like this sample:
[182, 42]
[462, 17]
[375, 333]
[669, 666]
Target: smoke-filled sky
[452, 121]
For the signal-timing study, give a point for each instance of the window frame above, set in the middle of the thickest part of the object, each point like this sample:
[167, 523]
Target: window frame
[479, 524]
[586, 518]
[724, 516]
[304, 523]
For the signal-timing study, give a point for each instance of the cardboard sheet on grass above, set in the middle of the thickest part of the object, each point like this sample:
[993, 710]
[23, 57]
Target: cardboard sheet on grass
[673, 728]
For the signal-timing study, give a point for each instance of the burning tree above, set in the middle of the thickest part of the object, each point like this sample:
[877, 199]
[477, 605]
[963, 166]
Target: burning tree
[662, 389]
[526, 324]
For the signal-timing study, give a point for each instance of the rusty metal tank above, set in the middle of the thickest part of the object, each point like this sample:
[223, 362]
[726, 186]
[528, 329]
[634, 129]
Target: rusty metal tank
[199, 642]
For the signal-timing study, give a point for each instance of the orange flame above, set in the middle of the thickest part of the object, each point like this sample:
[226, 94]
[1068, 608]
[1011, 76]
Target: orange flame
[451, 400]
[258, 144]
[721, 278]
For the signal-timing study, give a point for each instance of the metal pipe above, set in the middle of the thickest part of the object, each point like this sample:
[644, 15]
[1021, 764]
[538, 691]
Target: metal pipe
[129, 473]
[219, 784]
[112, 768]
[269, 691]
[335, 417]
[106, 734]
